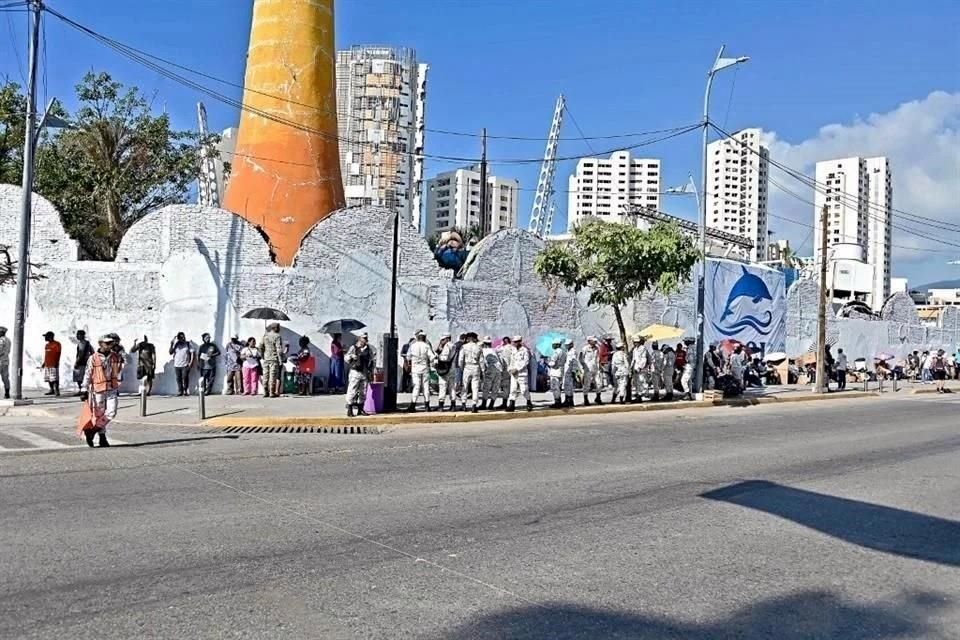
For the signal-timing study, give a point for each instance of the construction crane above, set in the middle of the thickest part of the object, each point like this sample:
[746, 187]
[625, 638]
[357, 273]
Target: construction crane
[207, 192]
[541, 216]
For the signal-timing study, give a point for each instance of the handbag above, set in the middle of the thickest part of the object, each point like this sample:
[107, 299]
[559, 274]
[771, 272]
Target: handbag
[87, 420]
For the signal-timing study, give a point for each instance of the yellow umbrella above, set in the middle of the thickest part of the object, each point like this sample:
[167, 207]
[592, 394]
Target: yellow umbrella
[661, 332]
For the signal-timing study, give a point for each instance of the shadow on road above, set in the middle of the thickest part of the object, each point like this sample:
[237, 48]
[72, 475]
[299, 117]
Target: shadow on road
[808, 615]
[174, 441]
[887, 529]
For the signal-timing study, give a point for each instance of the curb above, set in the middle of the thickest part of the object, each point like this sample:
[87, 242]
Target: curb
[421, 418]
[929, 389]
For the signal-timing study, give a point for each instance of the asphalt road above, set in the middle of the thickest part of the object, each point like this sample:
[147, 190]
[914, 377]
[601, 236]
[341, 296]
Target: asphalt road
[820, 520]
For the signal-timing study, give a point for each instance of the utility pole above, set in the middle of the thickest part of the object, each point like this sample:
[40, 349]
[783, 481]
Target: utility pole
[26, 203]
[485, 224]
[822, 385]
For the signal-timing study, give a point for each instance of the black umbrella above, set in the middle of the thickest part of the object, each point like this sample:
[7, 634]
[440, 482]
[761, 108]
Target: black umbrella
[343, 325]
[266, 313]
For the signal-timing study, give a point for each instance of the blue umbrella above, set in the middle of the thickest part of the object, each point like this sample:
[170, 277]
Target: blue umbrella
[545, 342]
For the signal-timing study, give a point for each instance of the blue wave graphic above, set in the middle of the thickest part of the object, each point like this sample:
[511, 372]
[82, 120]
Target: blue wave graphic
[752, 322]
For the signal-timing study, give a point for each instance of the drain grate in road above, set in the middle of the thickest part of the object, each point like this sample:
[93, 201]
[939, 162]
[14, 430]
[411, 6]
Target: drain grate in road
[342, 430]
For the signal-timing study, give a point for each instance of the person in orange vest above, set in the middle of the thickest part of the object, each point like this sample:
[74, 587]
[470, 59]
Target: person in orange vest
[103, 375]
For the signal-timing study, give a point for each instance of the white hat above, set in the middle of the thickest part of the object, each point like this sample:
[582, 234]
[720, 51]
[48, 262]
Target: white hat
[569, 340]
[445, 335]
[619, 344]
[591, 339]
[419, 333]
[487, 340]
[517, 339]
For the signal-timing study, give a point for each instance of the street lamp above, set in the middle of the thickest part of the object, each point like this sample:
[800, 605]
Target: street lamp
[719, 64]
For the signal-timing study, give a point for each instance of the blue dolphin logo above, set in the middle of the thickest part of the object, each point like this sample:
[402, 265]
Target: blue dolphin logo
[747, 286]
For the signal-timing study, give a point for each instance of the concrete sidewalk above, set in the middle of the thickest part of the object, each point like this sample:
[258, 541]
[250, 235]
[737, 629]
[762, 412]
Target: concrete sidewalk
[329, 411]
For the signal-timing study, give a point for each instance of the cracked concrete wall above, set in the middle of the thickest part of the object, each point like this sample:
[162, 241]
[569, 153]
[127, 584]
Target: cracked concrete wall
[197, 269]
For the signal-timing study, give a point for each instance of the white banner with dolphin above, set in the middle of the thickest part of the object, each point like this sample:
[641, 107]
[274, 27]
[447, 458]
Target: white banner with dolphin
[746, 303]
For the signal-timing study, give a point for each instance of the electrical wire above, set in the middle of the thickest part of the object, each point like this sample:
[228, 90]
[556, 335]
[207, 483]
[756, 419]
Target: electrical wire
[820, 187]
[583, 136]
[145, 61]
[113, 43]
[16, 49]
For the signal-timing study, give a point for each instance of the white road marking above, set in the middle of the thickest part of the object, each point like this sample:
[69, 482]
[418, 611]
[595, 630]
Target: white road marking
[38, 442]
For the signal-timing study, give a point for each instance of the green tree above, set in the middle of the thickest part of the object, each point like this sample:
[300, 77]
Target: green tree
[13, 107]
[619, 262]
[117, 163]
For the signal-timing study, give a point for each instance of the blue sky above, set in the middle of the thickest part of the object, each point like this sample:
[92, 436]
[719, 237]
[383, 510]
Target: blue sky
[624, 66]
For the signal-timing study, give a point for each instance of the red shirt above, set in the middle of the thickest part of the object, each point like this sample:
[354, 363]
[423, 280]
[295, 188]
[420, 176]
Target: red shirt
[681, 359]
[51, 355]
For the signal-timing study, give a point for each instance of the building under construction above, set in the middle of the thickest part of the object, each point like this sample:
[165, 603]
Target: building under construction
[381, 92]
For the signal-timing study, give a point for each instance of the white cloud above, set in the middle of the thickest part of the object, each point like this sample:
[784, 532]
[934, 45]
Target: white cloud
[922, 140]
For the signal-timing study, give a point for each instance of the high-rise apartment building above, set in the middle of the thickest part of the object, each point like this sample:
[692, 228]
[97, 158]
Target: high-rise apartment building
[453, 200]
[736, 198]
[381, 93]
[602, 187]
[858, 193]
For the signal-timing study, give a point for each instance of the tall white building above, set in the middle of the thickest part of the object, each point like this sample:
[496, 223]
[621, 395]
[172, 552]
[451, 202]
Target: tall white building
[858, 193]
[601, 187]
[453, 200]
[381, 93]
[737, 173]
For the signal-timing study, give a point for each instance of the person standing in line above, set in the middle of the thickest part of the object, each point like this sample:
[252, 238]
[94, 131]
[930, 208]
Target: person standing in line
[519, 371]
[103, 375]
[938, 370]
[712, 366]
[680, 362]
[84, 351]
[738, 365]
[336, 382]
[5, 362]
[406, 380]
[446, 373]
[251, 356]
[639, 368]
[590, 363]
[841, 367]
[146, 363]
[271, 351]
[492, 372]
[458, 391]
[422, 358]
[305, 367]
[469, 362]
[669, 366]
[51, 364]
[829, 368]
[182, 354]
[232, 366]
[505, 350]
[686, 376]
[360, 360]
[208, 353]
[121, 353]
[620, 366]
[604, 351]
[571, 368]
[656, 370]
[556, 364]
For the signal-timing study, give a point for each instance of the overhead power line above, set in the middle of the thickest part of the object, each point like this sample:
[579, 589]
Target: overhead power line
[159, 59]
[147, 61]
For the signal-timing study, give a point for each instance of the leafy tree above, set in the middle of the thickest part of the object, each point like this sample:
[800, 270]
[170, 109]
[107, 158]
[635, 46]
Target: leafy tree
[619, 262]
[117, 163]
[13, 107]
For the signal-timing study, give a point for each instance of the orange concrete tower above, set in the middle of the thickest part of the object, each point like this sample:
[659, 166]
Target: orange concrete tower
[286, 174]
